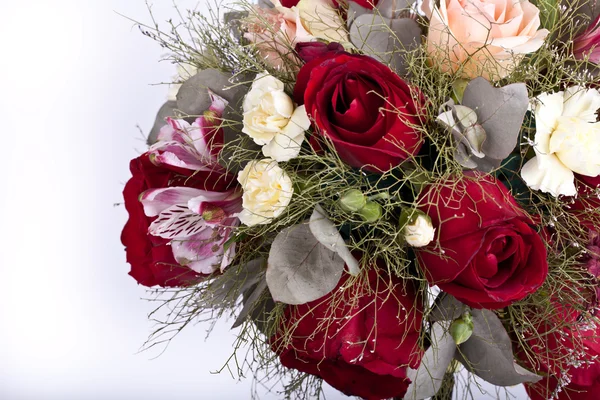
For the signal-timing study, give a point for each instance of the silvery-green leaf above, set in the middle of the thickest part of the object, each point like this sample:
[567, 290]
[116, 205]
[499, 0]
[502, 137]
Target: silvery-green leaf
[371, 34]
[447, 308]
[354, 11]
[254, 294]
[475, 136]
[385, 39]
[328, 235]
[428, 378]
[300, 269]
[465, 115]
[260, 314]
[446, 119]
[407, 37]
[265, 4]
[488, 353]
[391, 8]
[193, 97]
[236, 280]
[462, 155]
[500, 111]
[166, 110]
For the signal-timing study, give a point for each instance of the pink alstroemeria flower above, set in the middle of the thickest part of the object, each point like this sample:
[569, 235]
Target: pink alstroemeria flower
[199, 222]
[588, 43]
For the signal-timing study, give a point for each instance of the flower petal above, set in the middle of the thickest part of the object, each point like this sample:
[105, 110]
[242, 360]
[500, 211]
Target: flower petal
[548, 174]
[156, 201]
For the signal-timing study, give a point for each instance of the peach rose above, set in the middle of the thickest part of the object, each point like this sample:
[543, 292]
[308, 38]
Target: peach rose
[482, 37]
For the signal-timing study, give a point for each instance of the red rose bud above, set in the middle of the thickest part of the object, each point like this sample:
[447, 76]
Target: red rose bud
[365, 109]
[490, 255]
[359, 339]
[308, 51]
[588, 43]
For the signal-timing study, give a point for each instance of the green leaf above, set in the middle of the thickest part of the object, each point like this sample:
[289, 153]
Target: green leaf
[488, 353]
[300, 268]
[428, 378]
[328, 235]
[254, 294]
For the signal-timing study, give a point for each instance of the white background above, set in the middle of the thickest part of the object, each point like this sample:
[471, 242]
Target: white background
[74, 83]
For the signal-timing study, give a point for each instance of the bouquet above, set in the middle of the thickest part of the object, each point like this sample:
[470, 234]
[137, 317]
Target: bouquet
[395, 198]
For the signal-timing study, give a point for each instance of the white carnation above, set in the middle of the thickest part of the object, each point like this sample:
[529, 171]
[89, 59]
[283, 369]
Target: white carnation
[267, 192]
[419, 232]
[271, 120]
[567, 140]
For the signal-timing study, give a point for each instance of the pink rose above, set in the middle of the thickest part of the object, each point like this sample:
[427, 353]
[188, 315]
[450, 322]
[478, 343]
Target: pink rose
[482, 37]
[276, 31]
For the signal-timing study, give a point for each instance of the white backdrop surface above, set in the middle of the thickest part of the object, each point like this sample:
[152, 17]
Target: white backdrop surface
[75, 82]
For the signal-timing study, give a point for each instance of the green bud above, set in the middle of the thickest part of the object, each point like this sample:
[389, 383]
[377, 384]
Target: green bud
[353, 200]
[371, 212]
[462, 328]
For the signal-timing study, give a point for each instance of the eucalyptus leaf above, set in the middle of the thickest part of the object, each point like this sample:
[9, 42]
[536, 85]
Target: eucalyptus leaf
[300, 268]
[385, 39]
[328, 235]
[236, 280]
[392, 8]
[265, 4]
[354, 11]
[447, 308]
[193, 97]
[488, 353]
[500, 111]
[260, 314]
[166, 110]
[428, 378]
[254, 294]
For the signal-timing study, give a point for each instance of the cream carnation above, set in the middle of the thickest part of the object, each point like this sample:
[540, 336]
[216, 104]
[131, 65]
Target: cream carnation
[567, 140]
[482, 37]
[267, 192]
[271, 120]
[420, 231]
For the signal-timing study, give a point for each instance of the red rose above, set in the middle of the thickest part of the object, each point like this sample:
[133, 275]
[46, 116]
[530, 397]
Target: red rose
[490, 256]
[364, 108]
[363, 344]
[151, 258]
[560, 358]
[309, 51]
[183, 157]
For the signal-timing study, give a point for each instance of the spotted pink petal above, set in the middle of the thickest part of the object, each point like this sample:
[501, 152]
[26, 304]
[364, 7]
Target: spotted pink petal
[230, 202]
[181, 155]
[156, 201]
[177, 221]
[202, 252]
